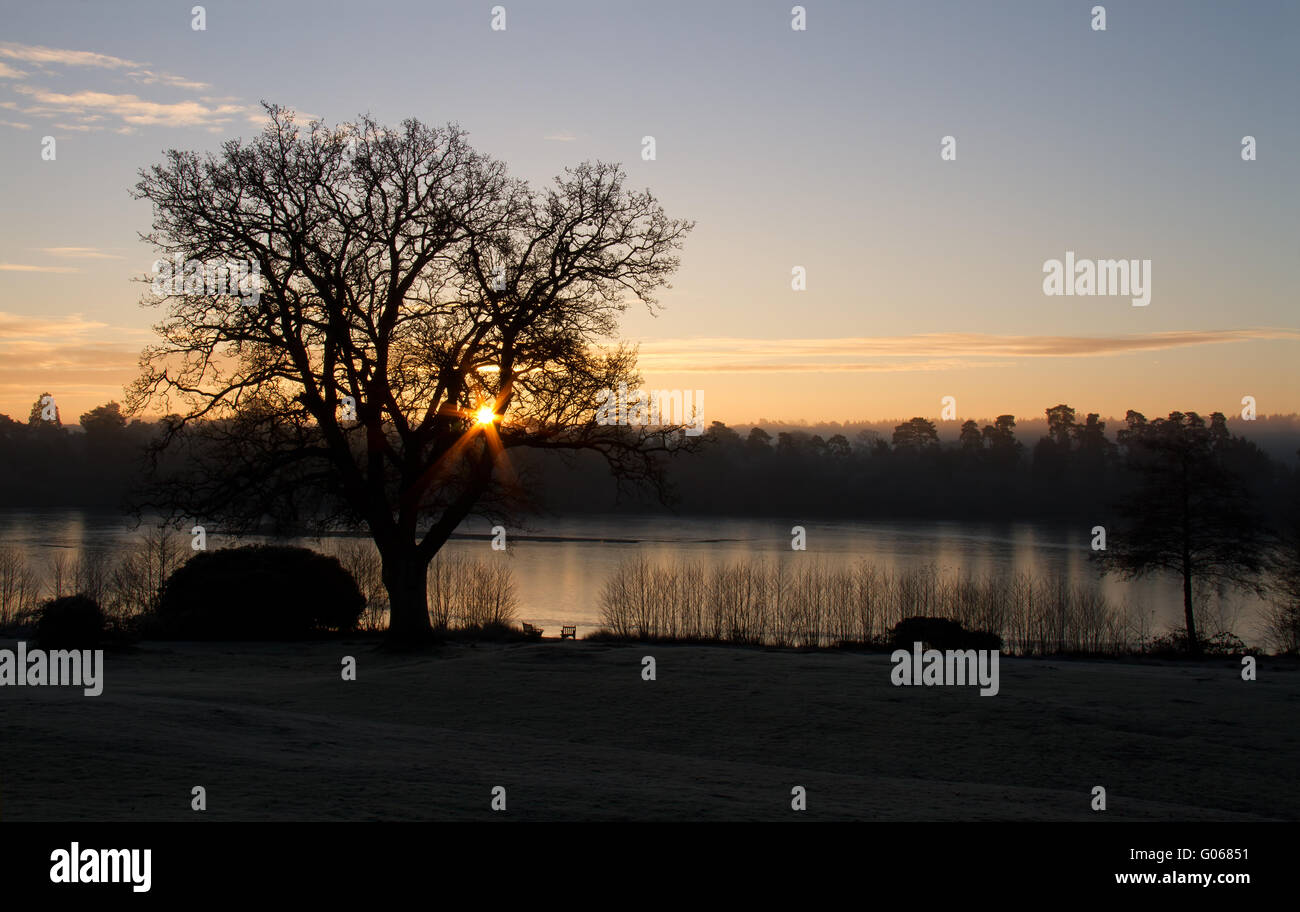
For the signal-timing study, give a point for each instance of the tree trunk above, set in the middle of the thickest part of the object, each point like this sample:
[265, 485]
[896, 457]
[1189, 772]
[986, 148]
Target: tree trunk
[1193, 644]
[406, 579]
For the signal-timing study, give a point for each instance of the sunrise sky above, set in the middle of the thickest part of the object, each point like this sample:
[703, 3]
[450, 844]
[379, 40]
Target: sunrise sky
[816, 148]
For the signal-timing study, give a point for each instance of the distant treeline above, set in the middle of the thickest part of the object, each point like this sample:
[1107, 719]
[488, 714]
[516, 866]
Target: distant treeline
[1073, 470]
[46, 464]
[1077, 469]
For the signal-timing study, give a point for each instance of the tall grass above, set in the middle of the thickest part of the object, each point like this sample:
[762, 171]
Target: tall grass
[770, 602]
[124, 584]
[361, 559]
[470, 593]
[1282, 626]
[20, 588]
[132, 584]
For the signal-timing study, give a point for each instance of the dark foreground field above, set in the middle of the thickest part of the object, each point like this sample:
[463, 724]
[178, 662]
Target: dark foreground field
[573, 732]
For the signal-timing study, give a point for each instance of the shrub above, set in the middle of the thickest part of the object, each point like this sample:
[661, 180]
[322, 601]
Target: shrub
[940, 633]
[492, 632]
[70, 622]
[1219, 643]
[256, 592]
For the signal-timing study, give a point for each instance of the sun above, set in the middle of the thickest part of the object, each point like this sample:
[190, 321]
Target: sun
[485, 415]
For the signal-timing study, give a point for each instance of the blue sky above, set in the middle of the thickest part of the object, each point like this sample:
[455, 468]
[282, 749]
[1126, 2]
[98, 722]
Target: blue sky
[817, 148]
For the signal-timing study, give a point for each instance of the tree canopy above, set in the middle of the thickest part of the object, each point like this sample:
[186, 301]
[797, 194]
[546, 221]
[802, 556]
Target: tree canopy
[406, 288]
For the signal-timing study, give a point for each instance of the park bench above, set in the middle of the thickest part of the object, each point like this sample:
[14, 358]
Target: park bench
[570, 632]
[531, 631]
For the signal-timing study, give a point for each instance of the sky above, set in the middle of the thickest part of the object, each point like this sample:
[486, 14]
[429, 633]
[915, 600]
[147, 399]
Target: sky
[818, 148]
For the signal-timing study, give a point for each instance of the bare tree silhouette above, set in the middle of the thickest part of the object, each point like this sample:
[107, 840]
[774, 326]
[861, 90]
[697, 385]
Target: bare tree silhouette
[420, 313]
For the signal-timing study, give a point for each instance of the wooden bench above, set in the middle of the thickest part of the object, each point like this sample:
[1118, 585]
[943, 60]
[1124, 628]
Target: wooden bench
[531, 631]
[569, 632]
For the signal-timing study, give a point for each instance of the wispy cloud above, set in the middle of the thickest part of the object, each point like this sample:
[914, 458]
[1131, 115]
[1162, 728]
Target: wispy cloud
[926, 352]
[62, 57]
[561, 137]
[133, 110]
[78, 253]
[80, 360]
[35, 53]
[102, 108]
[26, 267]
[25, 326]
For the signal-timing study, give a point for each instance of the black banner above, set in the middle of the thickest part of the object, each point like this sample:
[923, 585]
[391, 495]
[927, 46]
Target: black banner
[240, 861]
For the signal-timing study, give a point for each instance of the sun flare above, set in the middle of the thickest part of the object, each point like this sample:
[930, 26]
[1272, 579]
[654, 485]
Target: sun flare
[485, 415]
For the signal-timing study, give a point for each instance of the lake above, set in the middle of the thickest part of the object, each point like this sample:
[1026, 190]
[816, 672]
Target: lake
[560, 564]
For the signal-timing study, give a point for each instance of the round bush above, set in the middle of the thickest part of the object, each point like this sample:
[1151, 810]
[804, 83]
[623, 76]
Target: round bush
[71, 622]
[258, 592]
[941, 633]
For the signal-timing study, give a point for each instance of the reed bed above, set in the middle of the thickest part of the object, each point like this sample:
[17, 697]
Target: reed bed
[771, 602]
[469, 593]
